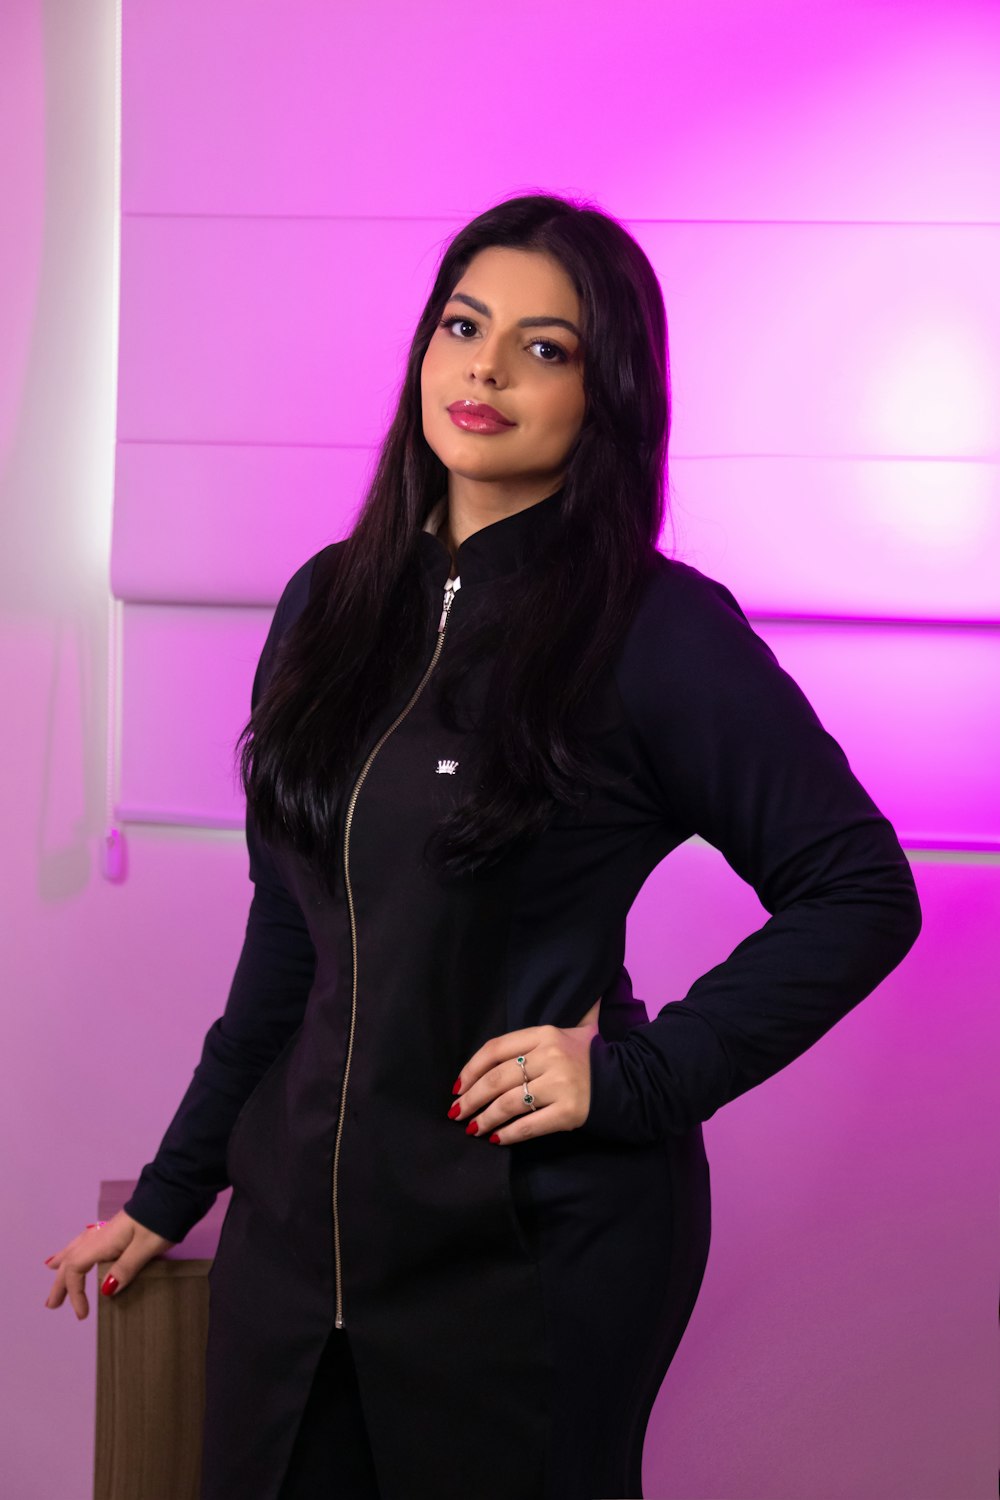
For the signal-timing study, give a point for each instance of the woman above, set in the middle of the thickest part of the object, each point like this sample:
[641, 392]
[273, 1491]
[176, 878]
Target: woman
[470, 1210]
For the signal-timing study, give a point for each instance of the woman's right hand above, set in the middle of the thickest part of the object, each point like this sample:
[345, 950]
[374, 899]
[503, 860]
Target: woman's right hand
[121, 1240]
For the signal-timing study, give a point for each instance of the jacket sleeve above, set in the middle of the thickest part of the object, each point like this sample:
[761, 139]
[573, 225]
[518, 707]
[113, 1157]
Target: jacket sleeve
[734, 752]
[266, 1004]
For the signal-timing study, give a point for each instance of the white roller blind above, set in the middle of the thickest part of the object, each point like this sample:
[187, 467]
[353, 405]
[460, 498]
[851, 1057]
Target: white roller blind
[836, 382]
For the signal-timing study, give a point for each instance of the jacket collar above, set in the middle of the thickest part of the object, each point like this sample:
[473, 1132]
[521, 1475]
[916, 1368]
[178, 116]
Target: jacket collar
[493, 550]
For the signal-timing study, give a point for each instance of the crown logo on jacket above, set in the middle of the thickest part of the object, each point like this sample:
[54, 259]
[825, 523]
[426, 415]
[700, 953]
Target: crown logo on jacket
[447, 767]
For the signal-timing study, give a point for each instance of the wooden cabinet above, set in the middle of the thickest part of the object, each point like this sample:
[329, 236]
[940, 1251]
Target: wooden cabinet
[150, 1366]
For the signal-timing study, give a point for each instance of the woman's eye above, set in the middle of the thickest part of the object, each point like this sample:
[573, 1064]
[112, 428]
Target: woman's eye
[450, 322]
[546, 344]
[560, 353]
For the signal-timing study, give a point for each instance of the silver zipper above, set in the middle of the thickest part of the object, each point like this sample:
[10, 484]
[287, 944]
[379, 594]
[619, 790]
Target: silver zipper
[450, 590]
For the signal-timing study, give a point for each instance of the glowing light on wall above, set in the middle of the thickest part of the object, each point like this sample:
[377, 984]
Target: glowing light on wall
[935, 389]
[938, 511]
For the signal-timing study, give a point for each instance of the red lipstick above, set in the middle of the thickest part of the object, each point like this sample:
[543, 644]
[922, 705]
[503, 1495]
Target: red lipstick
[475, 416]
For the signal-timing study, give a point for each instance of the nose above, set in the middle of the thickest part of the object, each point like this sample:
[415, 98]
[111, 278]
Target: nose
[486, 363]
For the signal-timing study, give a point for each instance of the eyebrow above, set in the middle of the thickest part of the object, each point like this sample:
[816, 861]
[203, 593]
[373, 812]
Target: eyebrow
[521, 322]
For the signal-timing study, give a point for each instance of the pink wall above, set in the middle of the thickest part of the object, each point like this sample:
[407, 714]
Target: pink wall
[817, 189]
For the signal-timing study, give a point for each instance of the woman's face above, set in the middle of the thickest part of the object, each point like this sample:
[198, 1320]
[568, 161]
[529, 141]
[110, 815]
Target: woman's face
[533, 376]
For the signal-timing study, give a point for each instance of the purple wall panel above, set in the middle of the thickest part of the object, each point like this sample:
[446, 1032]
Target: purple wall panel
[186, 679]
[734, 110]
[846, 537]
[268, 331]
[831, 340]
[917, 711]
[225, 524]
[789, 536]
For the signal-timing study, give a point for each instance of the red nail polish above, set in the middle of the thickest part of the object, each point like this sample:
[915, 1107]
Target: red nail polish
[456, 1087]
[495, 1138]
[50, 1257]
[455, 1111]
[109, 1285]
[472, 1127]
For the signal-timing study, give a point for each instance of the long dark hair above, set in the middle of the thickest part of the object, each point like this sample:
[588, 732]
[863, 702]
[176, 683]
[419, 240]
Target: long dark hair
[359, 636]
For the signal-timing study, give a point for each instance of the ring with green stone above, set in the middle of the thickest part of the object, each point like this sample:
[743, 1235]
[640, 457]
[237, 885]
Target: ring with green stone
[528, 1097]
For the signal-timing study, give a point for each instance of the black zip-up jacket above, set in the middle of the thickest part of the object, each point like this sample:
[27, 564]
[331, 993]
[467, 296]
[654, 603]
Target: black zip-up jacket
[707, 735]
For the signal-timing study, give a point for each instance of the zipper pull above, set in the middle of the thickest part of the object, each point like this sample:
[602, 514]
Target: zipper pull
[450, 590]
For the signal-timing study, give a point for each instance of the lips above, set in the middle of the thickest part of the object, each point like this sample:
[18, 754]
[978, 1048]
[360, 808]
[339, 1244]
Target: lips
[479, 409]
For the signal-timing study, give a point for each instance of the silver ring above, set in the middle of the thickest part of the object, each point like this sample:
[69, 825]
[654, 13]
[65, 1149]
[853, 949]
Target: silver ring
[528, 1097]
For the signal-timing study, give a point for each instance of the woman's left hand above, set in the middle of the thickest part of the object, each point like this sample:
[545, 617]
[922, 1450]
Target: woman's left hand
[557, 1062]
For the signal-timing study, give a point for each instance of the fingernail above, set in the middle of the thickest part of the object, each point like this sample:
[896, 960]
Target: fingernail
[50, 1257]
[456, 1110]
[495, 1138]
[472, 1127]
[456, 1087]
[109, 1285]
